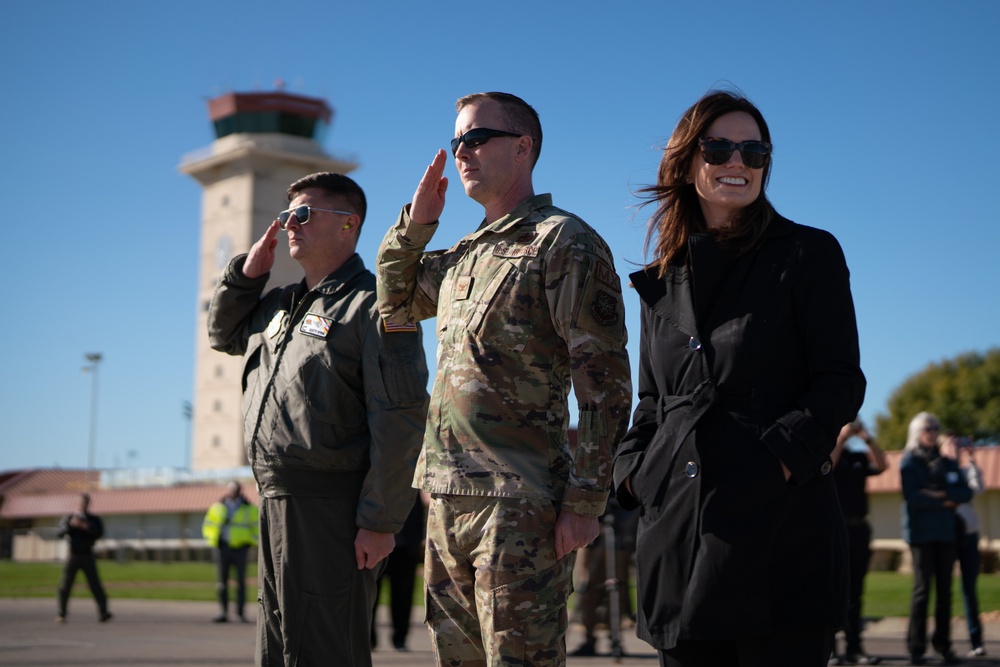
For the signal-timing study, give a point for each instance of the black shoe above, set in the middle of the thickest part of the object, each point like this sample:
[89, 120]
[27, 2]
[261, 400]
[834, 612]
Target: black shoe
[105, 616]
[221, 618]
[949, 658]
[918, 660]
[585, 650]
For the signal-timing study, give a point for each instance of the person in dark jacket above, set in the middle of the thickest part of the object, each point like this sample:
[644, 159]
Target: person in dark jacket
[83, 529]
[749, 367]
[401, 573]
[933, 486]
[852, 467]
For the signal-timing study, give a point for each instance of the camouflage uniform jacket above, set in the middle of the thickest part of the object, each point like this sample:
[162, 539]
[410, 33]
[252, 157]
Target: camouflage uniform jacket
[330, 398]
[523, 305]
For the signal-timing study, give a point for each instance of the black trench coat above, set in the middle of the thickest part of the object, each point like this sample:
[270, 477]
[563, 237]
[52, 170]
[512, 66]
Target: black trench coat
[746, 363]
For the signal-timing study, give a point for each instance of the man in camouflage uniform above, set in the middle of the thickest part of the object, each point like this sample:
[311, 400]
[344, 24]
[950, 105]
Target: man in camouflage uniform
[525, 304]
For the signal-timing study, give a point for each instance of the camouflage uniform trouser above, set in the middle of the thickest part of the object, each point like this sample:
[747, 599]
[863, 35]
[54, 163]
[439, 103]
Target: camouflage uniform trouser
[495, 593]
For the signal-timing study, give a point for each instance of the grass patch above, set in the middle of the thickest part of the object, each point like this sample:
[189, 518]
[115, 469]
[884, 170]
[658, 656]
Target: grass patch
[886, 593]
[134, 580]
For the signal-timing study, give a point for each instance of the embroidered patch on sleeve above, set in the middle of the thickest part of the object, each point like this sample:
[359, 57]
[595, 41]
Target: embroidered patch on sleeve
[389, 327]
[604, 308]
[606, 275]
[315, 325]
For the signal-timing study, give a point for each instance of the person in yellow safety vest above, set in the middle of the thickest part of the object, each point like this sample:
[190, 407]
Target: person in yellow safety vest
[230, 528]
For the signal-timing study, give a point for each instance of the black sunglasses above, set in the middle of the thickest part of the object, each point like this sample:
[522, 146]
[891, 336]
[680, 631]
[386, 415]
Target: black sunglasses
[478, 137]
[301, 214]
[718, 151]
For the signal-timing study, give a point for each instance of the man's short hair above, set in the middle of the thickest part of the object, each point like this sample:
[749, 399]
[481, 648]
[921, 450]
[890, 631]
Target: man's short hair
[335, 185]
[521, 117]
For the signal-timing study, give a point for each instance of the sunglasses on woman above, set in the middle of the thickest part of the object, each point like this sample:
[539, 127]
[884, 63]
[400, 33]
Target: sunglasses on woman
[478, 137]
[718, 151]
[302, 213]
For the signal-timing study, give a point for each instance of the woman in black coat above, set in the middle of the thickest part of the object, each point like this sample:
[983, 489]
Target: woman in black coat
[749, 367]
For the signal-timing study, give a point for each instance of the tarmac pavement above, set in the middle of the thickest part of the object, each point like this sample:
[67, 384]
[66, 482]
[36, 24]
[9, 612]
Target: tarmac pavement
[156, 633]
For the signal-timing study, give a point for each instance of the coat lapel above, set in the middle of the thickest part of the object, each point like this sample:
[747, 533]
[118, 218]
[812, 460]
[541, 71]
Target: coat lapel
[669, 297]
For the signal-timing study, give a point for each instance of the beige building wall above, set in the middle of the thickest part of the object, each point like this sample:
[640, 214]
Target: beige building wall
[244, 178]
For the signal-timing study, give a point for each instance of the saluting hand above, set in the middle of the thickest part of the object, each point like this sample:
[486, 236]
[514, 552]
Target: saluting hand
[260, 259]
[428, 200]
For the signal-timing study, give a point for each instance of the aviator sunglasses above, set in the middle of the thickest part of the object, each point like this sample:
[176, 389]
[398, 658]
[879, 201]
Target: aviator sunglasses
[302, 213]
[717, 151]
[478, 137]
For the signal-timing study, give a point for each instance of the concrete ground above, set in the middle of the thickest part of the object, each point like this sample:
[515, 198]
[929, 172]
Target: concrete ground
[154, 633]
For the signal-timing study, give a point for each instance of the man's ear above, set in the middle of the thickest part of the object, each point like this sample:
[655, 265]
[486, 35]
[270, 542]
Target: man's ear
[524, 146]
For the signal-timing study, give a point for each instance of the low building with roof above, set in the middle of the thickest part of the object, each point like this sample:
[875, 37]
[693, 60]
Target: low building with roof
[147, 514]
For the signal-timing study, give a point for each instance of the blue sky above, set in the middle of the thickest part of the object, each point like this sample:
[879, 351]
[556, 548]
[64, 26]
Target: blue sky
[880, 114]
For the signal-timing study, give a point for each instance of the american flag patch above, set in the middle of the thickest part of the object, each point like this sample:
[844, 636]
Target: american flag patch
[390, 327]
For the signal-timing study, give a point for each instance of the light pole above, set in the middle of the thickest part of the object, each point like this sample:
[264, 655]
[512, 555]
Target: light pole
[188, 411]
[94, 358]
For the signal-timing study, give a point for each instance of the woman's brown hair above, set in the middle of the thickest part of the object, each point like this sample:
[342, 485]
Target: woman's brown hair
[678, 211]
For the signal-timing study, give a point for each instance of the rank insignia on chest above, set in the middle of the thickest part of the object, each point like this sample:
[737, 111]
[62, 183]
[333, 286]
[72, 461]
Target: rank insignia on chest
[604, 308]
[274, 326]
[316, 326]
[463, 285]
[410, 327]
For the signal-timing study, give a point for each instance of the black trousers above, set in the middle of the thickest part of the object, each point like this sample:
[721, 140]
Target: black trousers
[859, 534]
[932, 562]
[315, 605]
[798, 647]
[226, 559]
[401, 573]
[88, 564]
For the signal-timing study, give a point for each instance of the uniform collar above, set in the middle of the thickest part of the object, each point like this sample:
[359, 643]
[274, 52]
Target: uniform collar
[517, 215]
[343, 275]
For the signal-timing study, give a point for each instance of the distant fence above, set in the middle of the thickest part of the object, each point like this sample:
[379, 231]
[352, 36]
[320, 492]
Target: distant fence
[149, 544]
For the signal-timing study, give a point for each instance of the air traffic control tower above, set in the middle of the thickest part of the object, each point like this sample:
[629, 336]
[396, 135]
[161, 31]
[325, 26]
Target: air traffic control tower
[264, 142]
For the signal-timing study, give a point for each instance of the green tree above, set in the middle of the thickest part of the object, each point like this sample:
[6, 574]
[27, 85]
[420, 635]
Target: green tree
[963, 392]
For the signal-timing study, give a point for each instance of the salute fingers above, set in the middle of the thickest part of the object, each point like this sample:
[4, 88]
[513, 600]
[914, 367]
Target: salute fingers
[428, 200]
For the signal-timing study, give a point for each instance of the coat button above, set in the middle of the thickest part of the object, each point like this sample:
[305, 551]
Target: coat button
[694, 343]
[691, 470]
[825, 468]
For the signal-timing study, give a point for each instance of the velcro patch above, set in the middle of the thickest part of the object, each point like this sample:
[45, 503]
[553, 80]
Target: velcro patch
[463, 286]
[604, 308]
[606, 275]
[515, 250]
[315, 325]
[410, 327]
